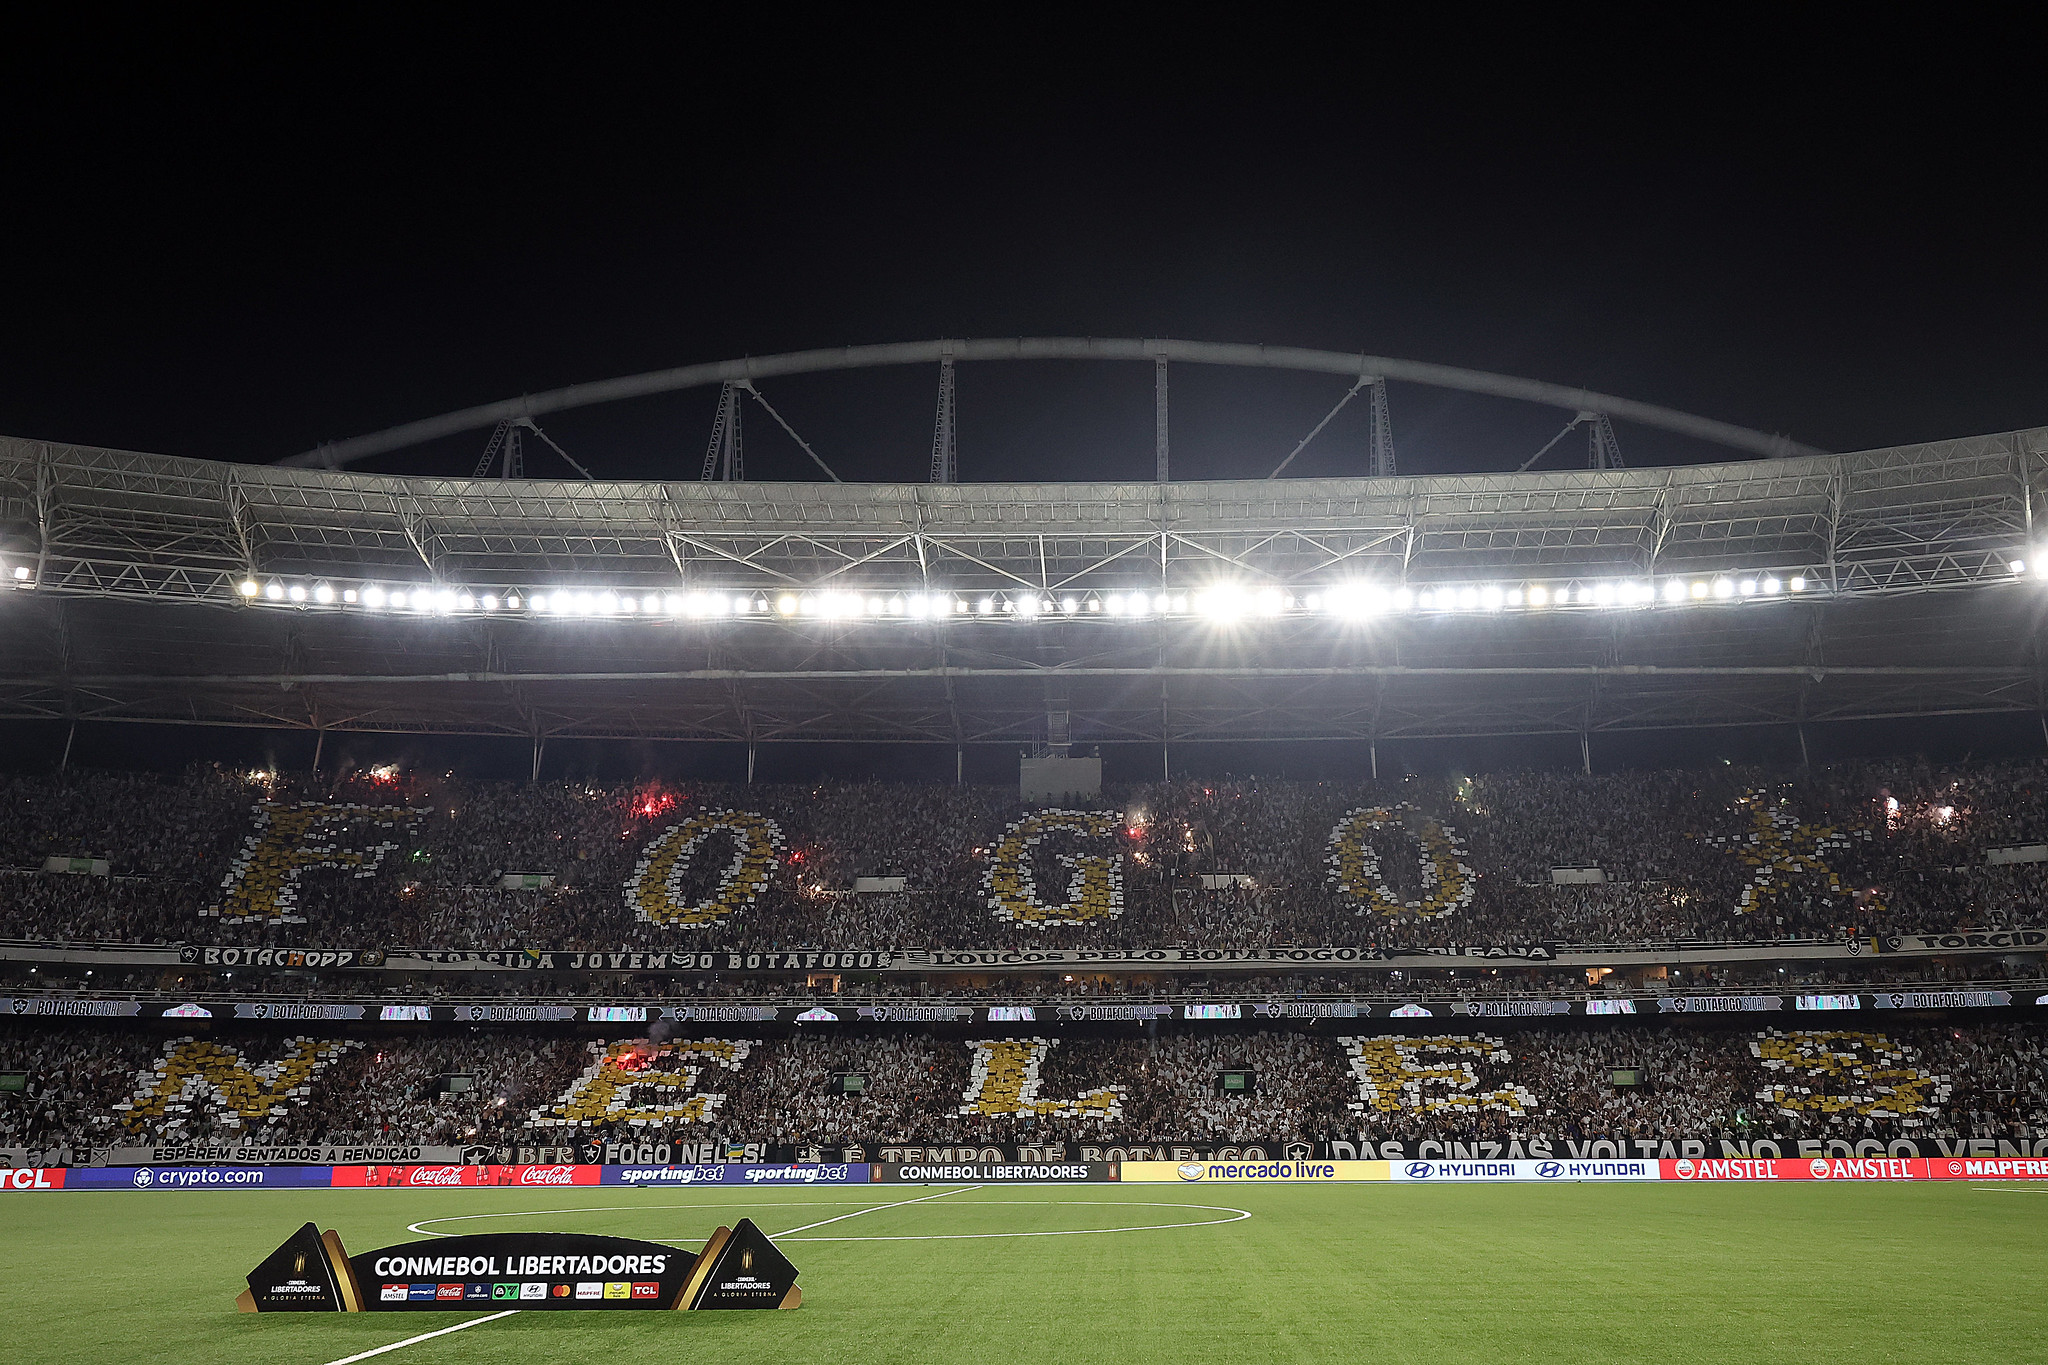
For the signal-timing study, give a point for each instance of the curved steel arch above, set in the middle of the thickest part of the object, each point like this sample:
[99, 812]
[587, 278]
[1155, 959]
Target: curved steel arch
[339, 453]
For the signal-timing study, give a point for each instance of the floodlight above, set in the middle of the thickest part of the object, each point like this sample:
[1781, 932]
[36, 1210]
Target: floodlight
[1490, 597]
[348, 594]
[2019, 566]
[274, 591]
[466, 602]
[1799, 584]
[1674, 591]
[1069, 605]
[1724, 588]
[248, 588]
[786, 604]
[1771, 586]
[490, 602]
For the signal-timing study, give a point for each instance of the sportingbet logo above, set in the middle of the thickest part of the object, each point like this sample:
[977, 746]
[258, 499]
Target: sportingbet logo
[435, 1175]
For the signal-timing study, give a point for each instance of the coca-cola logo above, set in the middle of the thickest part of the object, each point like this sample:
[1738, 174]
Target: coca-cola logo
[548, 1175]
[434, 1175]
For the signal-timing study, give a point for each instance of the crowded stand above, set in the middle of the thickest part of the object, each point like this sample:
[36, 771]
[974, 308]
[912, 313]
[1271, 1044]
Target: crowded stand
[1728, 855]
[92, 1088]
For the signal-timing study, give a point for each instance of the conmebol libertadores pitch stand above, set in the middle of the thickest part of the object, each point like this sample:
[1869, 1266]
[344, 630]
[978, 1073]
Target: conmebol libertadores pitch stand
[311, 1273]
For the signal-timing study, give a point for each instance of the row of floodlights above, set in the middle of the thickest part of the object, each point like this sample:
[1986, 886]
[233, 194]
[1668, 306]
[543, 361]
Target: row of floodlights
[1217, 604]
[1220, 603]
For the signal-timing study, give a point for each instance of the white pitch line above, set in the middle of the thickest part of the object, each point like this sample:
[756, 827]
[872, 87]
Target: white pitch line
[875, 1208]
[424, 1336]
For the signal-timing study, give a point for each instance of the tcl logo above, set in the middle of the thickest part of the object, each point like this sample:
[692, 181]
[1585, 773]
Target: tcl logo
[548, 1175]
[32, 1178]
[435, 1175]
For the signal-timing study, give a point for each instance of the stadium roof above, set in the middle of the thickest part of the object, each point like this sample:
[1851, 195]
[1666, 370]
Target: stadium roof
[147, 587]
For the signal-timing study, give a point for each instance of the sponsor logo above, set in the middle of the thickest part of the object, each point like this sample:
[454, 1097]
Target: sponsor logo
[31, 1178]
[1189, 1170]
[434, 1175]
[393, 1293]
[561, 1291]
[418, 1293]
[144, 1178]
[533, 1289]
[1683, 1169]
[547, 1175]
[444, 1292]
[646, 1289]
[1819, 1169]
[504, 1291]
[1549, 1170]
[1420, 1170]
[618, 1289]
[589, 1289]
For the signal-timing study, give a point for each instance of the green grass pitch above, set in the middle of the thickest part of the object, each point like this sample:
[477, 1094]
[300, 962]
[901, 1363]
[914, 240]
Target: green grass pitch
[1358, 1273]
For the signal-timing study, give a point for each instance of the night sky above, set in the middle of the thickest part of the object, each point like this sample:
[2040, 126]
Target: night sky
[237, 236]
[235, 240]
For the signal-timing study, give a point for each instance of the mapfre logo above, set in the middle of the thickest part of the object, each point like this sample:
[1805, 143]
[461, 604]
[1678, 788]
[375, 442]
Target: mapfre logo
[434, 1175]
[548, 1175]
[1683, 1169]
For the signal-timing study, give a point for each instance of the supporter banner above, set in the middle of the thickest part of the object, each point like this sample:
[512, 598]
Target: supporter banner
[955, 959]
[731, 1173]
[450, 1174]
[279, 959]
[1967, 941]
[1940, 1000]
[1251, 1172]
[1522, 1171]
[1674, 1148]
[994, 1173]
[307, 1154]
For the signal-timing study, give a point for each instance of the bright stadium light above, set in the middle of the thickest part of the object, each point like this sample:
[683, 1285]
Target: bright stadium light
[787, 604]
[1491, 597]
[274, 591]
[249, 586]
[1799, 584]
[1539, 596]
[1674, 591]
[348, 595]
[2018, 566]
[1771, 586]
[1069, 605]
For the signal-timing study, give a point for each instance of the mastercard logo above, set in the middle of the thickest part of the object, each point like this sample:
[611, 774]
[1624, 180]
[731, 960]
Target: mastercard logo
[561, 1291]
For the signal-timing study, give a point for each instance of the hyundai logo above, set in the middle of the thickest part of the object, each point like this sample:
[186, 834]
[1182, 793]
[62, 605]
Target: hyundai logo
[1549, 1170]
[1418, 1170]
